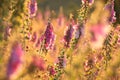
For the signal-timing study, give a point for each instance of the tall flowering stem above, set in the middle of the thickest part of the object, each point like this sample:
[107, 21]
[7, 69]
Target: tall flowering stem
[47, 39]
[68, 36]
[59, 67]
[82, 17]
[78, 33]
[32, 8]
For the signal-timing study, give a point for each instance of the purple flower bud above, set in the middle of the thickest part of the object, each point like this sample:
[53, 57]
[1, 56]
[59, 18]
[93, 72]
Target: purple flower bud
[15, 61]
[32, 8]
[68, 35]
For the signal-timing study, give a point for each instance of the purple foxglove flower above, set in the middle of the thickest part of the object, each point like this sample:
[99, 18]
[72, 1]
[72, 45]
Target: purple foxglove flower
[32, 8]
[49, 37]
[68, 35]
[15, 61]
[110, 8]
[89, 1]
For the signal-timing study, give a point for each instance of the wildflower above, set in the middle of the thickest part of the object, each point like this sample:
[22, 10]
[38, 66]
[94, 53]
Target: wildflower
[110, 8]
[15, 62]
[32, 8]
[99, 33]
[39, 63]
[89, 1]
[68, 35]
[49, 37]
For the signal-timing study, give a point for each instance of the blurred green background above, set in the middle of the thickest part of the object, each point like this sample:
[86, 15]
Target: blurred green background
[68, 5]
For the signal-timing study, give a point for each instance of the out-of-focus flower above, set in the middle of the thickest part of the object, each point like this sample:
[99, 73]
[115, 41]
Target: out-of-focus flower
[61, 20]
[32, 8]
[110, 8]
[34, 37]
[89, 1]
[39, 62]
[61, 17]
[68, 35]
[47, 14]
[99, 33]
[40, 16]
[15, 62]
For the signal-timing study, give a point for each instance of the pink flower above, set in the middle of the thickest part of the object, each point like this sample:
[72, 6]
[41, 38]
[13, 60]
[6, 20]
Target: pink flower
[48, 37]
[15, 61]
[39, 63]
[99, 33]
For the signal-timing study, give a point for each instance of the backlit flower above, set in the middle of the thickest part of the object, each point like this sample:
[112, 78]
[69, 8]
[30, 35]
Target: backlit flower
[98, 34]
[48, 38]
[39, 63]
[15, 61]
[32, 8]
[68, 35]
